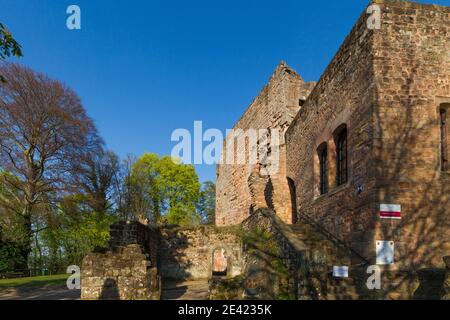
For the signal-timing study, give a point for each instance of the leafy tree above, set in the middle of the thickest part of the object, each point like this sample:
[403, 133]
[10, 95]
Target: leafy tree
[8, 46]
[165, 190]
[74, 231]
[206, 205]
[10, 257]
[44, 133]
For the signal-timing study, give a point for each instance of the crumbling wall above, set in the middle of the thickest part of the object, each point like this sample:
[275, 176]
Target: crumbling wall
[127, 270]
[187, 253]
[273, 108]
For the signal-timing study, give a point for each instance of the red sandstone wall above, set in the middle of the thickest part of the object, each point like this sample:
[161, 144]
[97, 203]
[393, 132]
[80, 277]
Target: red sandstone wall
[274, 107]
[344, 95]
[412, 68]
[386, 85]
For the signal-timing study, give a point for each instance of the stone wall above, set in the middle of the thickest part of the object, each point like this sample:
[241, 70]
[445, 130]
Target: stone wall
[127, 270]
[344, 95]
[187, 253]
[412, 71]
[302, 264]
[386, 87]
[139, 257]
[273, 108]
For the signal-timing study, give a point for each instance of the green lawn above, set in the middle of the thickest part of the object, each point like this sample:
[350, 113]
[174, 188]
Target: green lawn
[58, 279]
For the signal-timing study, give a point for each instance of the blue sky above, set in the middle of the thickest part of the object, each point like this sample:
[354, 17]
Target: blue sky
[144, 68]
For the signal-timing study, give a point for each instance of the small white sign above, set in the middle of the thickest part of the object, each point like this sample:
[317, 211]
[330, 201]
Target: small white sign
[385, 252]
[340, 272]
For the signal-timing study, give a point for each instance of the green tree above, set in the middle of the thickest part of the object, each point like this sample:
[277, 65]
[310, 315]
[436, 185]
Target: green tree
[206, 205]
[73, 231]
[8, 46]
[165, 190]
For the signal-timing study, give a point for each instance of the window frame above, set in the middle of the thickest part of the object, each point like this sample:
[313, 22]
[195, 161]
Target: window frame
[322, 153]
[341, 144]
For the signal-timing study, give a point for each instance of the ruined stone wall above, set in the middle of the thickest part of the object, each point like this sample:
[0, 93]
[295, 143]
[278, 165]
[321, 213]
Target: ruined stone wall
[412, 71]
[274, 107]
[345, 94]
[187, 253]
[127, 269]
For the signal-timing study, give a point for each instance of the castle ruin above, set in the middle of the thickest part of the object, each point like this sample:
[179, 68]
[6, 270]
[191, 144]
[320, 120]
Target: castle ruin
[363, 180]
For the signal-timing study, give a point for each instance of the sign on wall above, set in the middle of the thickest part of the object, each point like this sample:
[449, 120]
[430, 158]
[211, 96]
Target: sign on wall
[385, 252]
[340, 272]
[390, 211]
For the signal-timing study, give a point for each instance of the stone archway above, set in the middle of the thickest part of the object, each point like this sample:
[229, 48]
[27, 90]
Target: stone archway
[220, 263]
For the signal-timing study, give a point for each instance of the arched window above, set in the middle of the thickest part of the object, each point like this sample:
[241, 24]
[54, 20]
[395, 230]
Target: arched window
[444, 138]
[322, 152]
[340, 138]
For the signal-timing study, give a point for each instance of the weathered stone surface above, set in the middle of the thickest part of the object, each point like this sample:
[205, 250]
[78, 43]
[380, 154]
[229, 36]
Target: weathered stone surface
[274, 108]
[187, 253]
[387, 86]
[127, 270]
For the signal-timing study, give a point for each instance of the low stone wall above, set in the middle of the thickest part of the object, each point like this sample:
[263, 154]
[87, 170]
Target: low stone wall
[188, 253]
[126, 274]
[127, 270]
[138, 257]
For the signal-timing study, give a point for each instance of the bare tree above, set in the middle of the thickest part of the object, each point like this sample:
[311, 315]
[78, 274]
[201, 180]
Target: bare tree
[97, 177]
[44, 133]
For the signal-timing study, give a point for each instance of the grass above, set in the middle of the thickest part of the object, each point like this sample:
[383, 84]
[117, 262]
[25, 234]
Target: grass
[58, 279]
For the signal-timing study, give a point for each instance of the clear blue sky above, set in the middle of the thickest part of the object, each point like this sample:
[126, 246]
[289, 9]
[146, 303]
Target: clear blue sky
[144, 68]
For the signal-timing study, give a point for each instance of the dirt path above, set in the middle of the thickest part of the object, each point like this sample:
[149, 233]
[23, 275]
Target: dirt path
[185, 290]
[40, 293]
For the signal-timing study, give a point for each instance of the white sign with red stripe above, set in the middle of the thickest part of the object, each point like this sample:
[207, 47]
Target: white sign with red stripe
[390, 211]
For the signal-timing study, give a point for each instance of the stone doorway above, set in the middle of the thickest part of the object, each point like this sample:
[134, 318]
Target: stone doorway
[219, 263]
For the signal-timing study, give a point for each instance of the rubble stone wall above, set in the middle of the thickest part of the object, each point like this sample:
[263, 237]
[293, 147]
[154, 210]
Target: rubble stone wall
[188, 253]
[127, 270]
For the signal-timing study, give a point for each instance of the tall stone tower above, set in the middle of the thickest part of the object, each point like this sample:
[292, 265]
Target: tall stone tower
[245, 186]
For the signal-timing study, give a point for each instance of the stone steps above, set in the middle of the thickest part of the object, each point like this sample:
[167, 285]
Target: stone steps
[336, 254]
